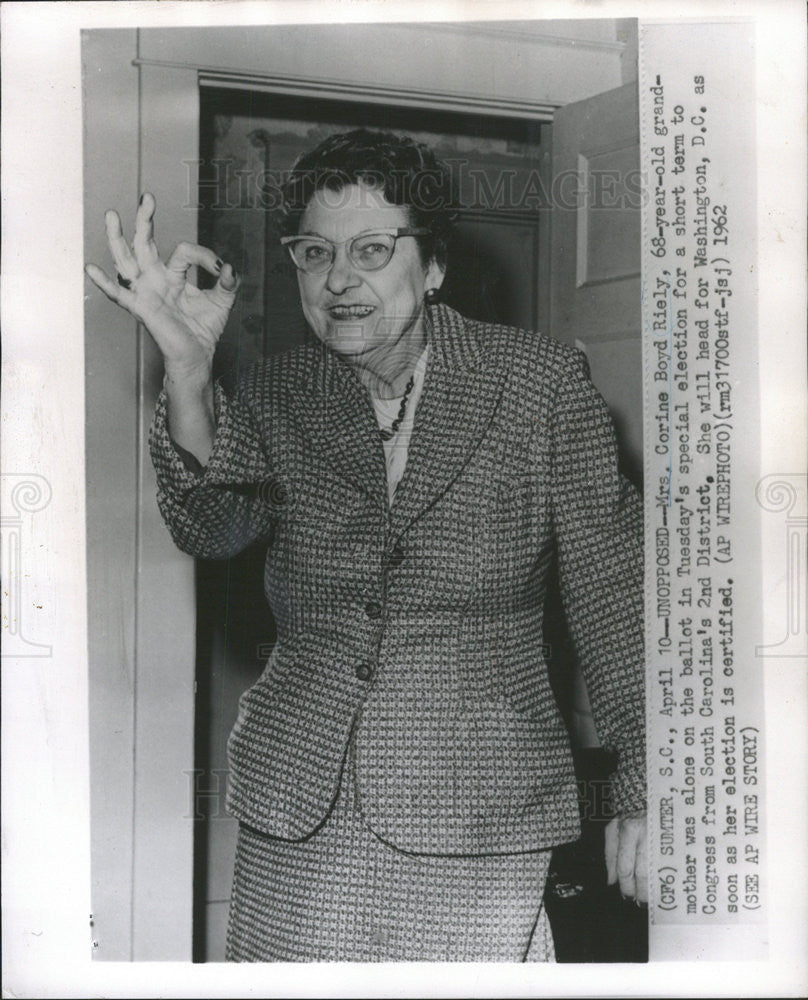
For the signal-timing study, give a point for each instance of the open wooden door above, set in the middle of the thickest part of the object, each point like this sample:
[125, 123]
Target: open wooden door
[595, 286]
[595, 305]
[595, 273]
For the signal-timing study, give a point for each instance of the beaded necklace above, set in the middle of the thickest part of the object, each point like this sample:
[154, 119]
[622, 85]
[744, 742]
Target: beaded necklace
[387, 432]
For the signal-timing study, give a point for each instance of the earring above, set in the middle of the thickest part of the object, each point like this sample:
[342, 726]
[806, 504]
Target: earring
[431, 296]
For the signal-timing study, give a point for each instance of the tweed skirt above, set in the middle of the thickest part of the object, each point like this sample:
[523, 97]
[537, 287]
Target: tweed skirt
[343, 894]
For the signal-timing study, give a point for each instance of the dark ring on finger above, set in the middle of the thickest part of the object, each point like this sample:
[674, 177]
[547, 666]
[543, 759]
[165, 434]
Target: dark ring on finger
[124, 282]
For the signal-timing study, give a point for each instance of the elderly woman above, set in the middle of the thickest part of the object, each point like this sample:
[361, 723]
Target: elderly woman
[400, 771]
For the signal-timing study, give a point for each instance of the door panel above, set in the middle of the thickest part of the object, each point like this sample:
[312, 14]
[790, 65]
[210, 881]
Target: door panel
[595, 285]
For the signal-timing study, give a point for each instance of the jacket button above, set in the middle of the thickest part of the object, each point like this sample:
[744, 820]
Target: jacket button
[273, 493]
[363, 672]
[396, 557]
[373, 609]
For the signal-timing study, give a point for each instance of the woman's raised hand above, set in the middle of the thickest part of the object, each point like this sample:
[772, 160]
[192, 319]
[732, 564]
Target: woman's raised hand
[184, 321]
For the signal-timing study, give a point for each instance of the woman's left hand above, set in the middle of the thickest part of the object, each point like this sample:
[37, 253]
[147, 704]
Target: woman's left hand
[627, 855]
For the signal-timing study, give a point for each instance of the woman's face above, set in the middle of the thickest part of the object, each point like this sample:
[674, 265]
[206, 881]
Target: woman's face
[360, 314]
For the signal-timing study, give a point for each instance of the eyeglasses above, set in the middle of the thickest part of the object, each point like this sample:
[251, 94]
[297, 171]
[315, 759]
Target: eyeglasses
[368, 251]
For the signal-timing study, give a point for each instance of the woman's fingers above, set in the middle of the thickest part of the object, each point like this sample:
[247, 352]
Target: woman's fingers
[642, 872]
[145, 248]
[113, 291]
[125, 263]
[626, 865]
[157, 294]
[224, 291]
[188, 255]
[625, 843]
[610, 849]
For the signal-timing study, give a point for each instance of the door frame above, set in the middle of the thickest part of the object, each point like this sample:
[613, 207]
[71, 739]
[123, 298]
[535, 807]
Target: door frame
[147, 797]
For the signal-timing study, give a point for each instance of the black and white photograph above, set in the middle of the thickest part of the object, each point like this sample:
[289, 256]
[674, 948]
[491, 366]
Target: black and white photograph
[411, 646]
[419, 512]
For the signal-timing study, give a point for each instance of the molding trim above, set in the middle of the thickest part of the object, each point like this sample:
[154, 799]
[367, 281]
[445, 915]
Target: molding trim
[511, 217]
[608, 337]
[413, 97]
[516, 34]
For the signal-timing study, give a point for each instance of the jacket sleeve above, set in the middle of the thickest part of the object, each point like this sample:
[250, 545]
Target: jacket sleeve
[598, 520]
[216, 510]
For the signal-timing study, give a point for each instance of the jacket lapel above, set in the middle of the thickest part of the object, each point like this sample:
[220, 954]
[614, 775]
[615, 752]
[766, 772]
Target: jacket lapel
[460, 396]
[342, 425]
[461, 391]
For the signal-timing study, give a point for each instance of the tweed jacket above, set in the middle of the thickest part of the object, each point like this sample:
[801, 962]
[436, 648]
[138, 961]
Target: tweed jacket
[416, 628]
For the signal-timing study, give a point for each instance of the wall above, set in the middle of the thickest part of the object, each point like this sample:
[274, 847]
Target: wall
[140, 588]
[518, 62]
[110, 121]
